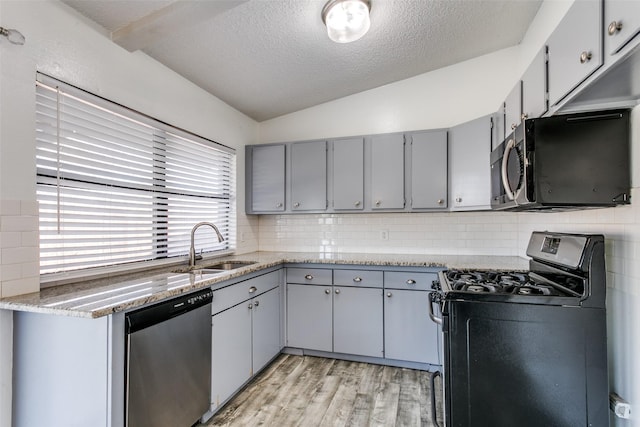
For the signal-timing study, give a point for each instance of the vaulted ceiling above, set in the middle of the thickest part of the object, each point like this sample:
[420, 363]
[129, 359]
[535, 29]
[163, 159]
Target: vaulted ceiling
[267, 58]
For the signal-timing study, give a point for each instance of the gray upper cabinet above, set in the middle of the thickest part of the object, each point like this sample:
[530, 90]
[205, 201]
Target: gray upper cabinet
[469, 149]
[622, 23]
[428, 170]
[534, 87]
[309, 176]
[387, 172]
[265, 178]
[513, 108]
[497, 130]
[575, 48]
[348, 174]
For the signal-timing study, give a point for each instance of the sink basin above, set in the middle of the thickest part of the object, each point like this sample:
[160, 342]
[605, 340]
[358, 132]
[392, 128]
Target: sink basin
[228, 265]
[206, 271]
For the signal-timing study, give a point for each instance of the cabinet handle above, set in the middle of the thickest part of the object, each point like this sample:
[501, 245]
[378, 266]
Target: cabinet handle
[279, 205]
[327, 291]
[296, 205]
[411, 282]
[524, 116]
[389, 294]
[585, 57]
[257, 303]
[250, 306]
[440, 201]
[513, 126]
[614, 27]
[458, 199]
[337, 291]
[357, 204]
[378, 202]
[357, 279]
[252, 289]
[308, 277]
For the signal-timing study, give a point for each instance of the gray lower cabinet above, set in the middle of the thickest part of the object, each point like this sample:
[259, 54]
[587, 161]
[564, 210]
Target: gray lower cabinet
[265, 328]
[265, 178]
[309, 176]
[387, 172]
[575, 48]
[428, 182]
[409, 333]
[357, 321]
[231, 352]
[245, 333]
[309, 317]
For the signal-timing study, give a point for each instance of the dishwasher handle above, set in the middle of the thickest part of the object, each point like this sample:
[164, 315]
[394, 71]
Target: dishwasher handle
[157, 313]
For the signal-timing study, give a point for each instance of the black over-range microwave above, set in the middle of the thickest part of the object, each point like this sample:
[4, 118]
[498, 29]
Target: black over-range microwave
[563, 162]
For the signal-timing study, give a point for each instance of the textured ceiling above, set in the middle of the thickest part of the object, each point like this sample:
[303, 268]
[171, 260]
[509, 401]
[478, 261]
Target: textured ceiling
[272, 57]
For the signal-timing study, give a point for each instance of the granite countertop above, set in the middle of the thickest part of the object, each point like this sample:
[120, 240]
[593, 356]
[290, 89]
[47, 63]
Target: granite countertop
[101, 297]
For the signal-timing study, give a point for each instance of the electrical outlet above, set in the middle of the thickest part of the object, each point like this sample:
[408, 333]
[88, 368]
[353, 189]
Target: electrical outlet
[242, 236]
[384, 234]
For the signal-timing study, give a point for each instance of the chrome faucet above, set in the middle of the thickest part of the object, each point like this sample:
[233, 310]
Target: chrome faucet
[192, 249]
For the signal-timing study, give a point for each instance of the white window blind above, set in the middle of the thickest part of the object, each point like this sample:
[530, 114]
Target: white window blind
[115, 186]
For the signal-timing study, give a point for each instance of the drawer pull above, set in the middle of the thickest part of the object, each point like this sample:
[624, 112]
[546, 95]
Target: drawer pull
[357, 279]
[252, 289]
[411, 282]
[308, 277]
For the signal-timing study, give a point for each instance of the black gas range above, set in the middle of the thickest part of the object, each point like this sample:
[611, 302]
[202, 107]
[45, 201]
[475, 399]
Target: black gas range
[527, 348]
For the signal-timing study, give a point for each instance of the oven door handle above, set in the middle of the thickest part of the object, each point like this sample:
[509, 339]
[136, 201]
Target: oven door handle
[434, 297]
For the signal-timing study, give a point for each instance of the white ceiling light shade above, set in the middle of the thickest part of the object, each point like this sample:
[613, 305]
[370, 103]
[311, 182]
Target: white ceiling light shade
[346, 20]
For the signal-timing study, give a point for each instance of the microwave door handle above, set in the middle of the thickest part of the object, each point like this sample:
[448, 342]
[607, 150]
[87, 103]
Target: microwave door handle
[505, 179]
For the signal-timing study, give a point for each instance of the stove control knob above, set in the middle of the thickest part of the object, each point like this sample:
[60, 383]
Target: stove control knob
[435, 285]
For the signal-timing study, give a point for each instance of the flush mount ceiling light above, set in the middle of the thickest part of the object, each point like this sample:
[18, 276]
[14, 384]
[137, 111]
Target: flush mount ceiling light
[346, 20]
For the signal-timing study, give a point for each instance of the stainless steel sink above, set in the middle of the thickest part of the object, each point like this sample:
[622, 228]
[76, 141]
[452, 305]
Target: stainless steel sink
[228, 265]
[206, 271]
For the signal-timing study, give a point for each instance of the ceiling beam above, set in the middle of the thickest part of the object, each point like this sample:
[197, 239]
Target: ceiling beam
[169, 20]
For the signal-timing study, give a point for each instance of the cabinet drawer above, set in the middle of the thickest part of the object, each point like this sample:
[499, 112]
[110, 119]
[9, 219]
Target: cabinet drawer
[362, 278]
[234, 294]
[409, 280]
[315, 276]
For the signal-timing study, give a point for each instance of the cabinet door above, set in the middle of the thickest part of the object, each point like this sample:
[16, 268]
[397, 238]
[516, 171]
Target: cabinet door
[497, 129]
[231, 352]
[513, 108]
[622, 23]
[266, 328]
[309, 321]
[575, 48]
[429, 170]
[387, 172]
[534, 87]
[348, 174]
[267, 178]
[357, 321]
[309, 176]
[409, 333]
[469, 149]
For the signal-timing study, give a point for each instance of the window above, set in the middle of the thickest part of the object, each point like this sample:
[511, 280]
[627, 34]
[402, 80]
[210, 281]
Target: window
[115, 186]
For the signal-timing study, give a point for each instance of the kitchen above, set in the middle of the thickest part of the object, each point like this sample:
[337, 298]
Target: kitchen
[80, 53]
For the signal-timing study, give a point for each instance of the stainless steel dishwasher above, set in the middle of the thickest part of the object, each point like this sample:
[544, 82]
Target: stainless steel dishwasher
[168, 370]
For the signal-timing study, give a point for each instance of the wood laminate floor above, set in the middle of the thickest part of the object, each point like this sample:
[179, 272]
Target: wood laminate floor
[312, 391]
